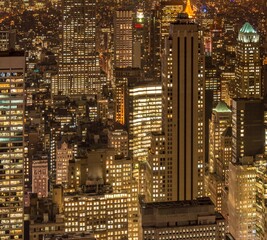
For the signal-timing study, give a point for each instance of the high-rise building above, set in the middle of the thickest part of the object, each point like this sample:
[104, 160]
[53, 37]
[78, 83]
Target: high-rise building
[212, 81]
[215, 181]
[241, 199]
[157, 169]
[220, 120]
[123, 39]
[123, 76]
[248, 66]
[248, 137]
[12, 70]
[183, 110]
[144, 116]
[79, 71]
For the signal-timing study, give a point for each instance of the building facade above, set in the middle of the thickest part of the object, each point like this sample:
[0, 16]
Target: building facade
[79, 71]
[183, 110]
[12, 70]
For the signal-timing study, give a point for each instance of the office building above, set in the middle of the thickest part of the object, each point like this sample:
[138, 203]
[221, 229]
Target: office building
[218, 164]
[248, 65]
[242, 200]
[187, 220]
[64, 153]
[248, 134]
[183, 110]
[123, 39]
[7, 39]
[12, 70]
[40, 177]
[144, 113]
[123, 76]
[120, 175]
[157, 170]
[105, 215]
[118, 139]
[79, 71]
[220, 120]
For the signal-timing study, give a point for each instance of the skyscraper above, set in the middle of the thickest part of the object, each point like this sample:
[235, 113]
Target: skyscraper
[123, 39]
[248, 72]
[79, 71]
[12, 69]
[247, 128]
[144, 116]
[183, 107]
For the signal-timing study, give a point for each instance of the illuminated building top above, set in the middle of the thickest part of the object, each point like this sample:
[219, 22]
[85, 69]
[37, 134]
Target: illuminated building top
[189, 10]
[222, 107]
[248, 34]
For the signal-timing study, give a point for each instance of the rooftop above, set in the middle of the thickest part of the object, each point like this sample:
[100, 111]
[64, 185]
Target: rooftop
[247, 28]
[222, 107]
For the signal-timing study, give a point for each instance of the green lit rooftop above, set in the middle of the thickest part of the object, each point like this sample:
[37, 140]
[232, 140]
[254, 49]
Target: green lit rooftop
[247, 28]
[222, 107]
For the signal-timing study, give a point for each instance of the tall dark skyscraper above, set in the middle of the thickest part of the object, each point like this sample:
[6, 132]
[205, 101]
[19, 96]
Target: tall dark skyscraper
[79, 71]
[183, 99]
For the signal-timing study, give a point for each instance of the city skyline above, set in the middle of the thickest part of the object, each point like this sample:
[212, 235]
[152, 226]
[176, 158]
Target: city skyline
[136, 119]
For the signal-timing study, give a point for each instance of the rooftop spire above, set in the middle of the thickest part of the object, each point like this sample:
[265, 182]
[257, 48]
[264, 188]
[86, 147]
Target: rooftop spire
[189, 10]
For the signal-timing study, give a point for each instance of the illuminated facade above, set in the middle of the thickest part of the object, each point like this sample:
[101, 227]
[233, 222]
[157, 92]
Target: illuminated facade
[168, 14]
[118, 140]
[12, 68]
[122, 77]
[79, 71]
[181, 220]
[144, 116]
[157, 169]
[183, 111]
[64, 154]
[7, 39]
[248, 66]
[227, 86]
[123, 39]
[119, 173]
[261, 197]
[241, 199]
[105, 215]
[40, 177]
[220, 121]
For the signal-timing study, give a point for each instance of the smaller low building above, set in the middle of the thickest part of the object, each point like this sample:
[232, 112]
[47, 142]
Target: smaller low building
[185, 220]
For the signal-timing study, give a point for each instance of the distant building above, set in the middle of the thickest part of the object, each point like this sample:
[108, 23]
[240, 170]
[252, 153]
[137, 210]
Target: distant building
[248, 66]
[7, 39]
[123, 39]
[186, 220]
[64, 153]
[118, 139]
[79, 70]
[40, 177]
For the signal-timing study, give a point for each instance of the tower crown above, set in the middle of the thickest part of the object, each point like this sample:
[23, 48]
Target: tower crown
[189, 10]
[248, 34]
